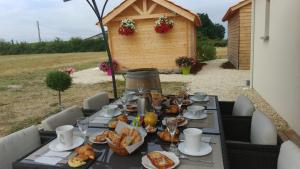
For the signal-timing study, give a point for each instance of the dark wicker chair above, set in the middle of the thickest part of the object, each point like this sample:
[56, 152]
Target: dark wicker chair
[241, 107]
[226, 108]
[89, 112]
[241, 153]
[47, 136]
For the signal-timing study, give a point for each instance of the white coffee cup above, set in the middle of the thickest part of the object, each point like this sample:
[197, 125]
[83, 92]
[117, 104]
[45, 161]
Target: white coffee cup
[65, 135]
[192, 138]
[196, 110]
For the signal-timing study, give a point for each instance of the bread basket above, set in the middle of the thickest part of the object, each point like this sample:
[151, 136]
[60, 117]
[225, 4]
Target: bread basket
[118, 149]
[125, 151]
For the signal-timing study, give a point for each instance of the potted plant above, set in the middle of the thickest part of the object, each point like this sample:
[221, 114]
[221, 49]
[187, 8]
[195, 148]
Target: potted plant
[163, 24]
[105, 67]
[185, 64]
[59, 81]
[127, 27]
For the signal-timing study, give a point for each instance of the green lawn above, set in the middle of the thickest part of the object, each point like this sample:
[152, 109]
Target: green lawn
[34, 101]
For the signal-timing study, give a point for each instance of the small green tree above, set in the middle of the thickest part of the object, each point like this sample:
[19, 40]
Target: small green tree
[59, 81]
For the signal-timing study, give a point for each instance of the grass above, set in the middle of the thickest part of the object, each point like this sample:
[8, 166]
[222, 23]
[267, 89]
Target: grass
[33, 102]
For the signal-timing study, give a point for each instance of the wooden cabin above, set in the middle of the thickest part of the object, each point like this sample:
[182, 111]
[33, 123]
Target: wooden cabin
[146, 48]
[239, 34]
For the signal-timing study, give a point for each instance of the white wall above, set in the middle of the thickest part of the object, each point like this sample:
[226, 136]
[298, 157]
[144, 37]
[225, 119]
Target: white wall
[276, 63]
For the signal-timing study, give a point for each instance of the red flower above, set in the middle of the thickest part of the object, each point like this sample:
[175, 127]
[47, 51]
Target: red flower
[163, 27]
[163, 24]
[125, 31]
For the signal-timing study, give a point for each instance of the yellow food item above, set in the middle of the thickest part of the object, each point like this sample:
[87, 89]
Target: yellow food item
[76, 162]
[150, 118]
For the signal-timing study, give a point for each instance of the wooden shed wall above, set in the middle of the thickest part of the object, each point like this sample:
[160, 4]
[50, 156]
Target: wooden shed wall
[146, 48]
[245, 37]
[233, 39]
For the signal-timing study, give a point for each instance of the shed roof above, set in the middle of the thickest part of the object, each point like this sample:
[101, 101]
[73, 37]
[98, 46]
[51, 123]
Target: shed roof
[234, 9]
[165, 3]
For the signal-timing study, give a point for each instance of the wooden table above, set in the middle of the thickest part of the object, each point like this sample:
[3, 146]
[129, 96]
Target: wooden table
[106, 159]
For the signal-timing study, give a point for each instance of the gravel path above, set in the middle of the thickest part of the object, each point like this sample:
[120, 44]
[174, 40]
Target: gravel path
[227, 84]
[211, 79]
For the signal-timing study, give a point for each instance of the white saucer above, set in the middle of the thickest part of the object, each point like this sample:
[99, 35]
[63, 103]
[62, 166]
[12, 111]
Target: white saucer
[93, 137]
[56, 146]
[147, 163]
[196, 99]
[189, 115]
[205, 149]
[103, 113]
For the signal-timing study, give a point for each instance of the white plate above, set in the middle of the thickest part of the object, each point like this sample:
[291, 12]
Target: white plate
[196, 99]
[189, 115]
[103, 113]
[56, 146]
[147, 163]
[205, 149]
[182, 124]
[93, 137]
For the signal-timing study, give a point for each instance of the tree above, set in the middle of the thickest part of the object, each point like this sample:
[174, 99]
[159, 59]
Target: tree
[210, 30]
[59, 81]
[219, 31]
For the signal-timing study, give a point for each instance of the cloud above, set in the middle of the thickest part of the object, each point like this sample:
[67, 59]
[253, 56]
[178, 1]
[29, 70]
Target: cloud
[74, 18]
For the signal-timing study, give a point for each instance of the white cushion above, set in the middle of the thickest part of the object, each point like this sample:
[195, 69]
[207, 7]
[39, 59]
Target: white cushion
[96, 102]
[243, 107]
[289, 156]
[17, 145]
[263, 131]
[68, 116]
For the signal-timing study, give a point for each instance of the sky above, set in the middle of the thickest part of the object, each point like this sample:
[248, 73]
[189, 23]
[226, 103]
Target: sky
[75, 18]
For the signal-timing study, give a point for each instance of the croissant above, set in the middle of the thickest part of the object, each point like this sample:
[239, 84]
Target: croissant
[166, 136]
[86, 150]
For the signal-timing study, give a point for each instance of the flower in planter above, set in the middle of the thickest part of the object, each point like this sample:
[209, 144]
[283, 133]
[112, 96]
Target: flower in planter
[185, 64]
[127, 27]
[163, 24]
[105, 66]
[68, 70]
[185, 61]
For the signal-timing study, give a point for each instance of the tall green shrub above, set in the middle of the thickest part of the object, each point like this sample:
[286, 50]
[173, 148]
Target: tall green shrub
[206, 50]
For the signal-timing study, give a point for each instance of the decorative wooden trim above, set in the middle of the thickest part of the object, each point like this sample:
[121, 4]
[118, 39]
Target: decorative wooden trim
[176, 9]
[117, 10]
[234, 8]
[241, 4]
[147, 16]
[135, 7]
[145, 6]
[152, 7]
[164, 3]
